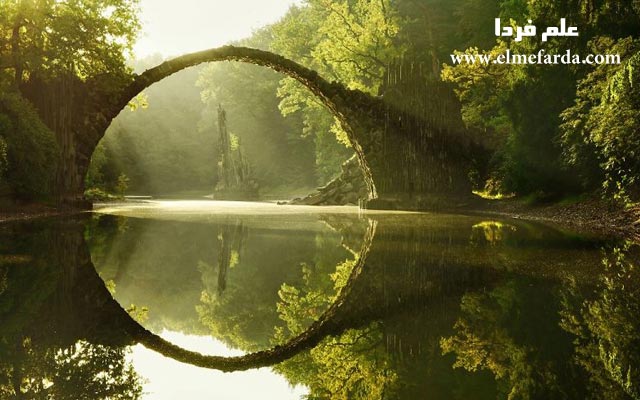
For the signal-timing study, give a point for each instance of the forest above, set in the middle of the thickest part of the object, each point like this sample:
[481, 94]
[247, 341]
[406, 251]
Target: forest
[552, 131]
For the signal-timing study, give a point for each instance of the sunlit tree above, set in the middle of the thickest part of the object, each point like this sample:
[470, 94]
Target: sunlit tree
[51, 38]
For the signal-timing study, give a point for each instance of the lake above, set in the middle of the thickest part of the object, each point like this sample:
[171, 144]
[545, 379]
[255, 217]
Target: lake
[232, 300]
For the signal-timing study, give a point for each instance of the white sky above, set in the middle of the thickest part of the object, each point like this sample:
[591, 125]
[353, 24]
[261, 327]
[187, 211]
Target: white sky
[176, 27]
[167, 379]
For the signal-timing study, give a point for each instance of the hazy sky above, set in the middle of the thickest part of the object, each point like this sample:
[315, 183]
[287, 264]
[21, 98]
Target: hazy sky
[173, 27]
[168, 379]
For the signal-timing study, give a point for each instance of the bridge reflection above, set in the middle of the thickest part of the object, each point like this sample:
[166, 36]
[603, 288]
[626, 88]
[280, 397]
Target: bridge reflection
[417, 287]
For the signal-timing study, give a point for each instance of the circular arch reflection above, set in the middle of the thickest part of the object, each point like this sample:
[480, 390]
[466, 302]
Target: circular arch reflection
[326, 324]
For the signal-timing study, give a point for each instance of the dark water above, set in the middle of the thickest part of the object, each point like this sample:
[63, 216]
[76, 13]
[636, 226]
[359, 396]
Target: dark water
[411, 306]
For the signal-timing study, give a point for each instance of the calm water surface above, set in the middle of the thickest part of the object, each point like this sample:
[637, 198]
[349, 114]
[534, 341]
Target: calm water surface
[129, 302]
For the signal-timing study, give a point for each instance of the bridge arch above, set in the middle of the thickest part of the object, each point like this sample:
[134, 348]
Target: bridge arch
[95, 291]
[333, 95]
[408, 162]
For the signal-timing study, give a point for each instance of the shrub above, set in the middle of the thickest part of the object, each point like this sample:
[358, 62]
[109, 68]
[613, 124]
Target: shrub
[30, 148]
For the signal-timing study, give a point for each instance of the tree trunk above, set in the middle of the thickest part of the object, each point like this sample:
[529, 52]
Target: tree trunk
[62, 106]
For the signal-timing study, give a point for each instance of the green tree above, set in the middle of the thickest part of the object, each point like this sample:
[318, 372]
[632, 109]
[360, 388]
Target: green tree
[249, 314]
[163, 147]
[517, 107]
[281, 156]
[350, 41]
[48, 39]
[54, 52]
[353, 364]
[599, 133]
[123, 185]
[29, 153]
[498, 331]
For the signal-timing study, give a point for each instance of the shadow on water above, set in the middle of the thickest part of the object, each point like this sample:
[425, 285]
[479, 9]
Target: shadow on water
[416, 306]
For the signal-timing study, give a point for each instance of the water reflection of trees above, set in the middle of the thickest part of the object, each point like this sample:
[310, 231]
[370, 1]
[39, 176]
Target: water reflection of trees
[491, 334]
[606, 327]
[245, 313]
[508, 327]
[44, 350]
[561, 340]
[352, 364]
[79, 371]
[387, 345]
[422, 291]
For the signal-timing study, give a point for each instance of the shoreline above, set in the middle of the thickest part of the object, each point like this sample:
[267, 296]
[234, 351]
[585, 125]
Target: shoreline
[31, 211]
[591, 215]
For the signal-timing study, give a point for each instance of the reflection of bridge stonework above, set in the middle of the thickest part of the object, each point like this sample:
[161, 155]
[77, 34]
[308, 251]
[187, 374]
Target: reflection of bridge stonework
[401, 268]
[372, 292]
[404, 159]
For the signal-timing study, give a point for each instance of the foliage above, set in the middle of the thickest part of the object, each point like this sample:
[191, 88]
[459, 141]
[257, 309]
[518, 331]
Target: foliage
[247, 313]
[34, 364]
[516, 108]
[497, 102]
[352, 42]
[31, 150]
[492, 334]
[600, 130]
[165, 255]
[353, 364]
[51, 38]
[95, 178]
[42, 44]
[96, 194]
[332, 147]
[299, 308]
[480, 343]
[482, 90]
[123, 185]
[81, 371]
[160, 146]
[140, 314]
[544, 125]
[605, 328]
[278, 153]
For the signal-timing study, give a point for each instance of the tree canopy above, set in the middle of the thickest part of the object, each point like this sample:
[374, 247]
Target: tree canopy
[49, 38]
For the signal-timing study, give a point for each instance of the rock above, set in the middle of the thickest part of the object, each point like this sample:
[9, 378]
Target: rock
[346, 188]
[351, 198]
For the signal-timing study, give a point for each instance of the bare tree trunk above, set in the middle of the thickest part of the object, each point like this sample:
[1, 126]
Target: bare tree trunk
[224, 257]
[226, 170]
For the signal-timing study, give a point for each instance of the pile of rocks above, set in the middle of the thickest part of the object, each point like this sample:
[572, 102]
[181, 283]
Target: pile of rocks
[347, 189]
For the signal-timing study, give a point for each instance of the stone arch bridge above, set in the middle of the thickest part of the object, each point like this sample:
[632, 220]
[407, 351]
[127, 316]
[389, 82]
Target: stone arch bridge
[407, 163]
